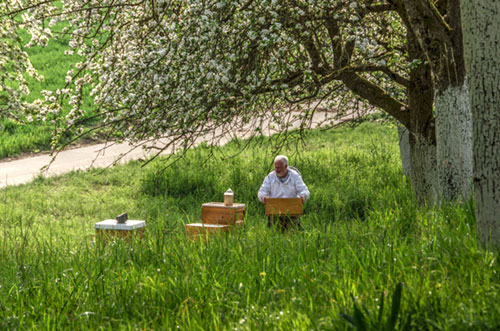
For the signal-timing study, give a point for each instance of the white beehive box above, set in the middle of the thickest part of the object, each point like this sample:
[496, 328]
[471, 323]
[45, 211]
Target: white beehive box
[112, 228]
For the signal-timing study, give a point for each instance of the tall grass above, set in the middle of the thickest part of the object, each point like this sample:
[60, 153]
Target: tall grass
[363, 236]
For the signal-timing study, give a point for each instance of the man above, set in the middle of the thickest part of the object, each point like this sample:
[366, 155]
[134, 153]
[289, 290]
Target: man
[283, 182]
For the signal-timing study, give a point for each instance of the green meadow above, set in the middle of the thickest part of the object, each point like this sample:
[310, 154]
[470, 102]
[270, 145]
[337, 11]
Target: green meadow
[369, 257]
[51, 62]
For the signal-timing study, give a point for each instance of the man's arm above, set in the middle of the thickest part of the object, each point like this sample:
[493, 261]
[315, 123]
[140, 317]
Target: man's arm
[302, 189]
[265, 189]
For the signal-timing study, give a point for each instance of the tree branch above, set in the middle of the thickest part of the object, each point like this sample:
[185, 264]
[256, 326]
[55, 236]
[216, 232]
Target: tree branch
[393, 75]
[432, 18]
[317, 63]
[246, 5]
[376, 96]
[335, 40]
[380, 8]
[31, 6]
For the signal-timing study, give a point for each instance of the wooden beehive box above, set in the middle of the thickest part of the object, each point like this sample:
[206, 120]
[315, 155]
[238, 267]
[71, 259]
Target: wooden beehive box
[218, 213]
[111, 228]
[284, 206]
[217, 218]
[195, 230]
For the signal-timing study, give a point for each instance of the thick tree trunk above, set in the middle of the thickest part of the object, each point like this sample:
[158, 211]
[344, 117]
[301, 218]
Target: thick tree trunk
[423, 169]
[454, 142]
[436, 29]
[422, 136]
[481, 29]
[404, 149]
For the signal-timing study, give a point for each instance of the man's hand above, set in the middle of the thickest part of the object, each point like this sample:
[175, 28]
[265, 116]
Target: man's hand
[263, 200]
[303, 197]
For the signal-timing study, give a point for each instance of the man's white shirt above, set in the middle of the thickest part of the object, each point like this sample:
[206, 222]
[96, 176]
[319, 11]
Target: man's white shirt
[292, 187]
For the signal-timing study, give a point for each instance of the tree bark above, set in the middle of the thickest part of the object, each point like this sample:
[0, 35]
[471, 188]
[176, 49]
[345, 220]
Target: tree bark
[423, 169]
[481, 29]
[454, 142]
[404, 149]
[422, 136]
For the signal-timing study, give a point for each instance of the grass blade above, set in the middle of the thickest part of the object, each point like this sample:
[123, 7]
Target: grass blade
[396, 304]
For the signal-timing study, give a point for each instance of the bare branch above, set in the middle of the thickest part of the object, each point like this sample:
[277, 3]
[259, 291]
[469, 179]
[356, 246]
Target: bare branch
[376, 96]
[391, 74]
[14, 12]
[380, 8]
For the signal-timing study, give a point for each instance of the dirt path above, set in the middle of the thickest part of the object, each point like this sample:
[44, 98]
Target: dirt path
[24, 170]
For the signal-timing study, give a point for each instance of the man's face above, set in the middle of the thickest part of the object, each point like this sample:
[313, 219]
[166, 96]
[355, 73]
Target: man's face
[280, 169]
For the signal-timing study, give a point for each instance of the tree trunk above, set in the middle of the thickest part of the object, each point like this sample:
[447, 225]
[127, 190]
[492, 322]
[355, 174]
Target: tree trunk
[422, 136]
[436, 29]
[423, 169]
[481, 29]
[454, 142]
[404, 149]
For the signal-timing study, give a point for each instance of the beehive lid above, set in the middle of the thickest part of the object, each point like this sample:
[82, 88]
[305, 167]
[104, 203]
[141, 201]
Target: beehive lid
[202, 225]
[221, 205]
[114, 225]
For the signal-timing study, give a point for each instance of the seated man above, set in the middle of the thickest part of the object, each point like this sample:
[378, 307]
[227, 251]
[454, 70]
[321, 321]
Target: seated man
[283, 182]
